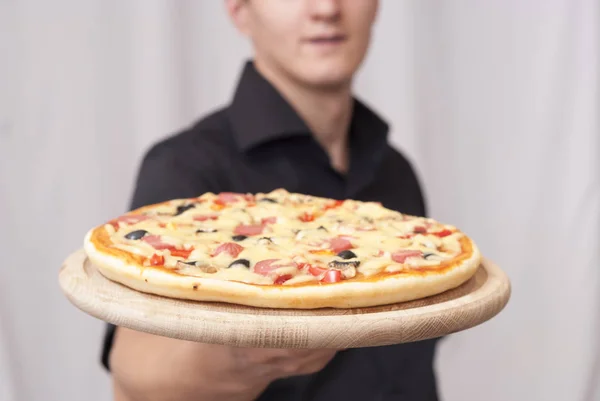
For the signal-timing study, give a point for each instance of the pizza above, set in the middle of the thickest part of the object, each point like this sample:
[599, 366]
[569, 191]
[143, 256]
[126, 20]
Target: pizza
[281, 250]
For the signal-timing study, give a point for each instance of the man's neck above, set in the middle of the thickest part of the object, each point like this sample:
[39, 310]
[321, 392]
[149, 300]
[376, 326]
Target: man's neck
[326, 112]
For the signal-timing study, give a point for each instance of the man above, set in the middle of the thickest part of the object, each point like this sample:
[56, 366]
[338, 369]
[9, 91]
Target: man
[292, 123]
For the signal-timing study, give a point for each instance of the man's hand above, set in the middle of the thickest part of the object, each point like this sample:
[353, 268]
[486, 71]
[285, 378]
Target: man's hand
[153, 368]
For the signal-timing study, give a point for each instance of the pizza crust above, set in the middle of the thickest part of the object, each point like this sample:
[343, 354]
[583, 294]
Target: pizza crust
[372, 291]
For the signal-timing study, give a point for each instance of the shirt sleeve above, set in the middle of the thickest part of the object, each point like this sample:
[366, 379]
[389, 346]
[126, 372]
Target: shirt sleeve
[161, 177]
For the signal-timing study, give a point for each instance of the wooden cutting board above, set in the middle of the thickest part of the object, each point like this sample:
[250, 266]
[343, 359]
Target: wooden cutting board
[474, 302]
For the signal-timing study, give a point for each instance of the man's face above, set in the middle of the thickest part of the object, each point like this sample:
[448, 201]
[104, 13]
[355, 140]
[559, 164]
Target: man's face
[320, 43]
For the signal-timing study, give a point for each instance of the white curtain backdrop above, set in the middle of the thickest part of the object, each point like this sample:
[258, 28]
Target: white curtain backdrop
[497, 104]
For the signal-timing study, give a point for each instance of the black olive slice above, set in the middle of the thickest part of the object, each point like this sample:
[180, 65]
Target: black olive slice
[322, 228]
[243, 262]
[428, 255]
[137, 234]
[206, 230]
[203, 267]
[269, 200]
[183, 208]
[346, 254]
[265, 240]
[238, 238]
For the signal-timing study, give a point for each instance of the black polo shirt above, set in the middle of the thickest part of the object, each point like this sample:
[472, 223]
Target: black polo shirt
[259, 143]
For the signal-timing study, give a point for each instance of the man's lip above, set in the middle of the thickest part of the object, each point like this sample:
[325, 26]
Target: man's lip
[328, 38]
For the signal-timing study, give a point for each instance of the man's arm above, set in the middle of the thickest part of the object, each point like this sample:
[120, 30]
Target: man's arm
[152, 368]
[162, 175]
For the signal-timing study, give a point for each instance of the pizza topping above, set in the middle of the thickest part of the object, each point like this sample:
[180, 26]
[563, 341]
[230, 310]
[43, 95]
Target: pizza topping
[340, 244]
[348, 272]
[230, 197]
[208, 269]
[401, 256]
[325, 274]
[419, 230]
[265, 241]
[321, 237]
[342, 264]
[156, 242]
[321, 251]
[186, 264]
[128, 219]
[269, 220]
[249, 229]
[347, 269]
[315, 270]
[206, 217]
[181, 253]
[426, 241]
[198, 268]
[230, 248]
[265, 267]
[283, 278]
[306, 217]
[332, 276]
[157, 260]
[240, 262]
[136, 235]
[346, 229]
[206, 230]
[184, 208]
[334, 204]
[429, 256]
[346, 254]
[311, 234]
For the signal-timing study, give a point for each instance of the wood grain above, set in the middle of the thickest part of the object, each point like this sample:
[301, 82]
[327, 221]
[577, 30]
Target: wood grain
[473, 303]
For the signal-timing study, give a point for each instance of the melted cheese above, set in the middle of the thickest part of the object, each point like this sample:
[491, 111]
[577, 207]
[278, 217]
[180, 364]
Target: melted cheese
[304, 231]
[234, 274]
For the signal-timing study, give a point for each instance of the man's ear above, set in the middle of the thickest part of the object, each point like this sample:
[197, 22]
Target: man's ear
[238, 12]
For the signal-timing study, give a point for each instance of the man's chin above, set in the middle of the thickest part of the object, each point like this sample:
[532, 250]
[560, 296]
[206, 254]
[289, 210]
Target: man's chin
[326, 75]
[328, 82]
[330, 74]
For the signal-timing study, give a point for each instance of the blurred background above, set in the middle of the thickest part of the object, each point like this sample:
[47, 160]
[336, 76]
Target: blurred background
[497, 104]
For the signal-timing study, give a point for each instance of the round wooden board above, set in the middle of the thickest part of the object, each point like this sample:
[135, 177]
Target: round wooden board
[473, 303]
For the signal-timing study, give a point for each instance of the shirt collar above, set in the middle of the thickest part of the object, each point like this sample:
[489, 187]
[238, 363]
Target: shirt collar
[259, 114]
